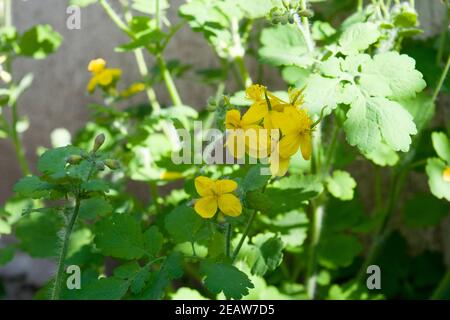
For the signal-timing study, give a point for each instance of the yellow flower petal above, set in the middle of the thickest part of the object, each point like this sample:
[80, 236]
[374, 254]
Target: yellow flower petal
[225, 186]
[289, 145]
[230, 205]
[235, 143]
[306, 145]
[204, 186]
[446, 174]
[279, 166]
[233, 119]
[206, 207]
[105, 78]
[284, 121]
[255, 113]
[92, 84]
[96, 66]
[171, 175]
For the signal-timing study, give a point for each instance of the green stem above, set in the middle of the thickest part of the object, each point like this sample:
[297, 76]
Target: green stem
[142, 65]
[245, 75]
[228, 240]
[382, 232]
[315, 232]
[244, 235]
[377, 187]
[168, 80]
[443, 288]
[332, 148]
[17, 141]
[360, 5]
[7, 13]
[303, 25]
[65, 245]
[441, 80]
[115, 18]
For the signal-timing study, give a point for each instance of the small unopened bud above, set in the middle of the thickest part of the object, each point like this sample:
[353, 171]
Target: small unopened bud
[100, 166]
[74, 159]
[112, 164]
[99, 140]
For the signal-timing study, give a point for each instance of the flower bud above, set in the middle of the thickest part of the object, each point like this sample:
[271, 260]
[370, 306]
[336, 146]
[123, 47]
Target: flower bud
[112, 164]
[74, 159]
[99, 140]
[100, 166]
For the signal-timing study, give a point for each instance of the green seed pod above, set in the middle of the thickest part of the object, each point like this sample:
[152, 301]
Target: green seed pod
[112, 164]
[291, 19]
[284, 20]
[100, 166]
[74, 159]
[305, 13]
[99, 140]
[286, 3]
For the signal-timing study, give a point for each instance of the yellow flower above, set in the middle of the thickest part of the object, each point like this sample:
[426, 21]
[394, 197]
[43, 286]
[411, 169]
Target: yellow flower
[216, 194]
[446, 174]
[101, 76]
[245, 137]
[133, 89]
[295, 125]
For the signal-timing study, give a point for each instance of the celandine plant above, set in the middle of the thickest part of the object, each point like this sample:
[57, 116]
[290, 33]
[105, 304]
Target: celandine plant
[268, 207]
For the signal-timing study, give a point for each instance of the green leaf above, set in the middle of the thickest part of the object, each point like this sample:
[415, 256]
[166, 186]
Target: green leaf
[424, 210]
[184, 224]
[256, 8]
[254, 180]
[93, 207]
[104, 289]
[438, 186]
[120, 236]
[32, 187]
[321, 92]
[222, 277]
[372, 120]
[38, 234]
[391, 75]
[383, 155]
[442, 145]
[341, 185]
[153, 241]
[338, 250]
[39, 41]
[269, 254]
[95, 185]
[53, 161]
[358, 37]
[283, 45]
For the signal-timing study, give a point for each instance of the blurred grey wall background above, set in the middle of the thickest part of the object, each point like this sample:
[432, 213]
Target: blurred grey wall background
[58, 97]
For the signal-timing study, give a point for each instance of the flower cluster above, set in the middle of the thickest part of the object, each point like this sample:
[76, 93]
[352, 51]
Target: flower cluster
[257, 132]
[107, 78]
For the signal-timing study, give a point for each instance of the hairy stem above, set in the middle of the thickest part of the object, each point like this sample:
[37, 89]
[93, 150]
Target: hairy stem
[303, 25]
[315, 232]
[62, 257]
